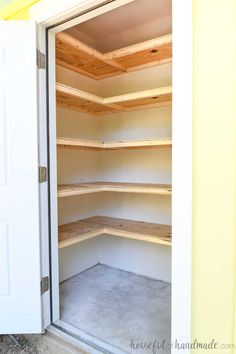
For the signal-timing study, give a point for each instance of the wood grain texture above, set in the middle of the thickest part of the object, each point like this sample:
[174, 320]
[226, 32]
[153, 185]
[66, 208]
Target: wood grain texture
[88, 228]
[139, 102]
[68, 190]
[75, 99]
[77, 56]
[75, 53]
[111, 145]
[77, 103]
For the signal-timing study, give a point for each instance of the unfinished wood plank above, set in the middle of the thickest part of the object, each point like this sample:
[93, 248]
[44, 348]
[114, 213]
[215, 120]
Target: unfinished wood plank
[75, 68]
[79, 231]
[152, 93]
[142, 55]
[70, 102]
[112, 145]
[76, 55]
[142, 99]
[95, 187]
[140, 47]
[148, 102]
[78, 93]
[75, 99]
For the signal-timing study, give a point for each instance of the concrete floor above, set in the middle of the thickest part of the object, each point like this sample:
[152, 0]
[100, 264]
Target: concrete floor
[120, 308]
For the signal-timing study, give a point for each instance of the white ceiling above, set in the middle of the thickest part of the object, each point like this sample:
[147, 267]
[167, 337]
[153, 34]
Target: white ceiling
[135, 22]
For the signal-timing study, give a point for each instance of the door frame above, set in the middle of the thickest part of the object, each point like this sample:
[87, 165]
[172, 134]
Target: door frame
[51, 15]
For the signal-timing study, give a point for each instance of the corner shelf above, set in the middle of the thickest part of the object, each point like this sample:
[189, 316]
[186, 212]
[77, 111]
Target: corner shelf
[111, 145]
[75, 99]
[82, 230]
[68, 190]
[77, 56]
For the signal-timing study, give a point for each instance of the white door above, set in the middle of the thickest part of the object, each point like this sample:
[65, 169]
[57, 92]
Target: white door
[20, 294]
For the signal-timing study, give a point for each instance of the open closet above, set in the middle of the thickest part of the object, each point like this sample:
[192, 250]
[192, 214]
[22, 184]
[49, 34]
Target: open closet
[113, 97]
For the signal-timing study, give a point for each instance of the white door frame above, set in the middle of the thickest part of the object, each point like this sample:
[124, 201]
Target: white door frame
[49, 13]
[43, 187]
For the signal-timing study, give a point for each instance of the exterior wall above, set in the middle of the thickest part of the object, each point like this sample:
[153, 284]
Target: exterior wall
[214, 171]
[214, 166]
[16, 9]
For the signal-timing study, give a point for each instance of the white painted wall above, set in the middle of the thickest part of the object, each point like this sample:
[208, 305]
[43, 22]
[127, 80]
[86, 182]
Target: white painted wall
[147, 124]
[138, 257]
[145, 79]
[68, 77]
[150, 165]
[78, 207]
[76, 258]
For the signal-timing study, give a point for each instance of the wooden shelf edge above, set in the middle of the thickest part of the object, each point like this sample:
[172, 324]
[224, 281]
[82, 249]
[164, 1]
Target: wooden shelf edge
[113, 145]
[159, 91]
[139, 47]
[75, 43]
[77, 239]
[116, 62]
[96, 187]
[62, 88]
[157, 97]
[132, 230]
[112, 232]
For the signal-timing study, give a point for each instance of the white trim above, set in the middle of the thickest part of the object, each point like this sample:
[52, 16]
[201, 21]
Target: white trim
[53, 175]
[96, 343]
[43, 187]
[48, 13]
[75, 342]
[182, 173]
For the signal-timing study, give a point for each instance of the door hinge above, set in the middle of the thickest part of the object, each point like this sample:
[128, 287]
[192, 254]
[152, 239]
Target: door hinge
[42, 174]
[41, 60]
[44, 284]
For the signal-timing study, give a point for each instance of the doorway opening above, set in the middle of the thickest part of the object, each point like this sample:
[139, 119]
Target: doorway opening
[112, 174]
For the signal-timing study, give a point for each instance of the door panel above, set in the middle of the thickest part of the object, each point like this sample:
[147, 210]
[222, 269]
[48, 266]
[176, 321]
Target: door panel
[20, 298]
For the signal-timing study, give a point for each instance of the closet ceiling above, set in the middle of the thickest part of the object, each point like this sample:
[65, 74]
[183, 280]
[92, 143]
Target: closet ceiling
[126, 25]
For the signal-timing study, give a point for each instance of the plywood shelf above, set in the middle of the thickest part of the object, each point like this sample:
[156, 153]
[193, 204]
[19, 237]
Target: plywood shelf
[88, 228]
[68, 190]
[79, 57]
[75, 99]
[111, 145]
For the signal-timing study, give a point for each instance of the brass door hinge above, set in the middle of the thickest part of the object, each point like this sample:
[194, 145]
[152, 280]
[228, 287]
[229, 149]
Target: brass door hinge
[42, 174]
[41, 60]
[44, 285]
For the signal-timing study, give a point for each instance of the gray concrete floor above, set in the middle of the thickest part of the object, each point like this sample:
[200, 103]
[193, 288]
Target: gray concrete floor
[129, 311]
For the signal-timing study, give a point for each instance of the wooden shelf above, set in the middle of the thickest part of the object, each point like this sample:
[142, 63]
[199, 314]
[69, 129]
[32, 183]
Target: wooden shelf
[71, 98]
[79, 231]
[79, 57]
[111, 145]
[68, 190]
